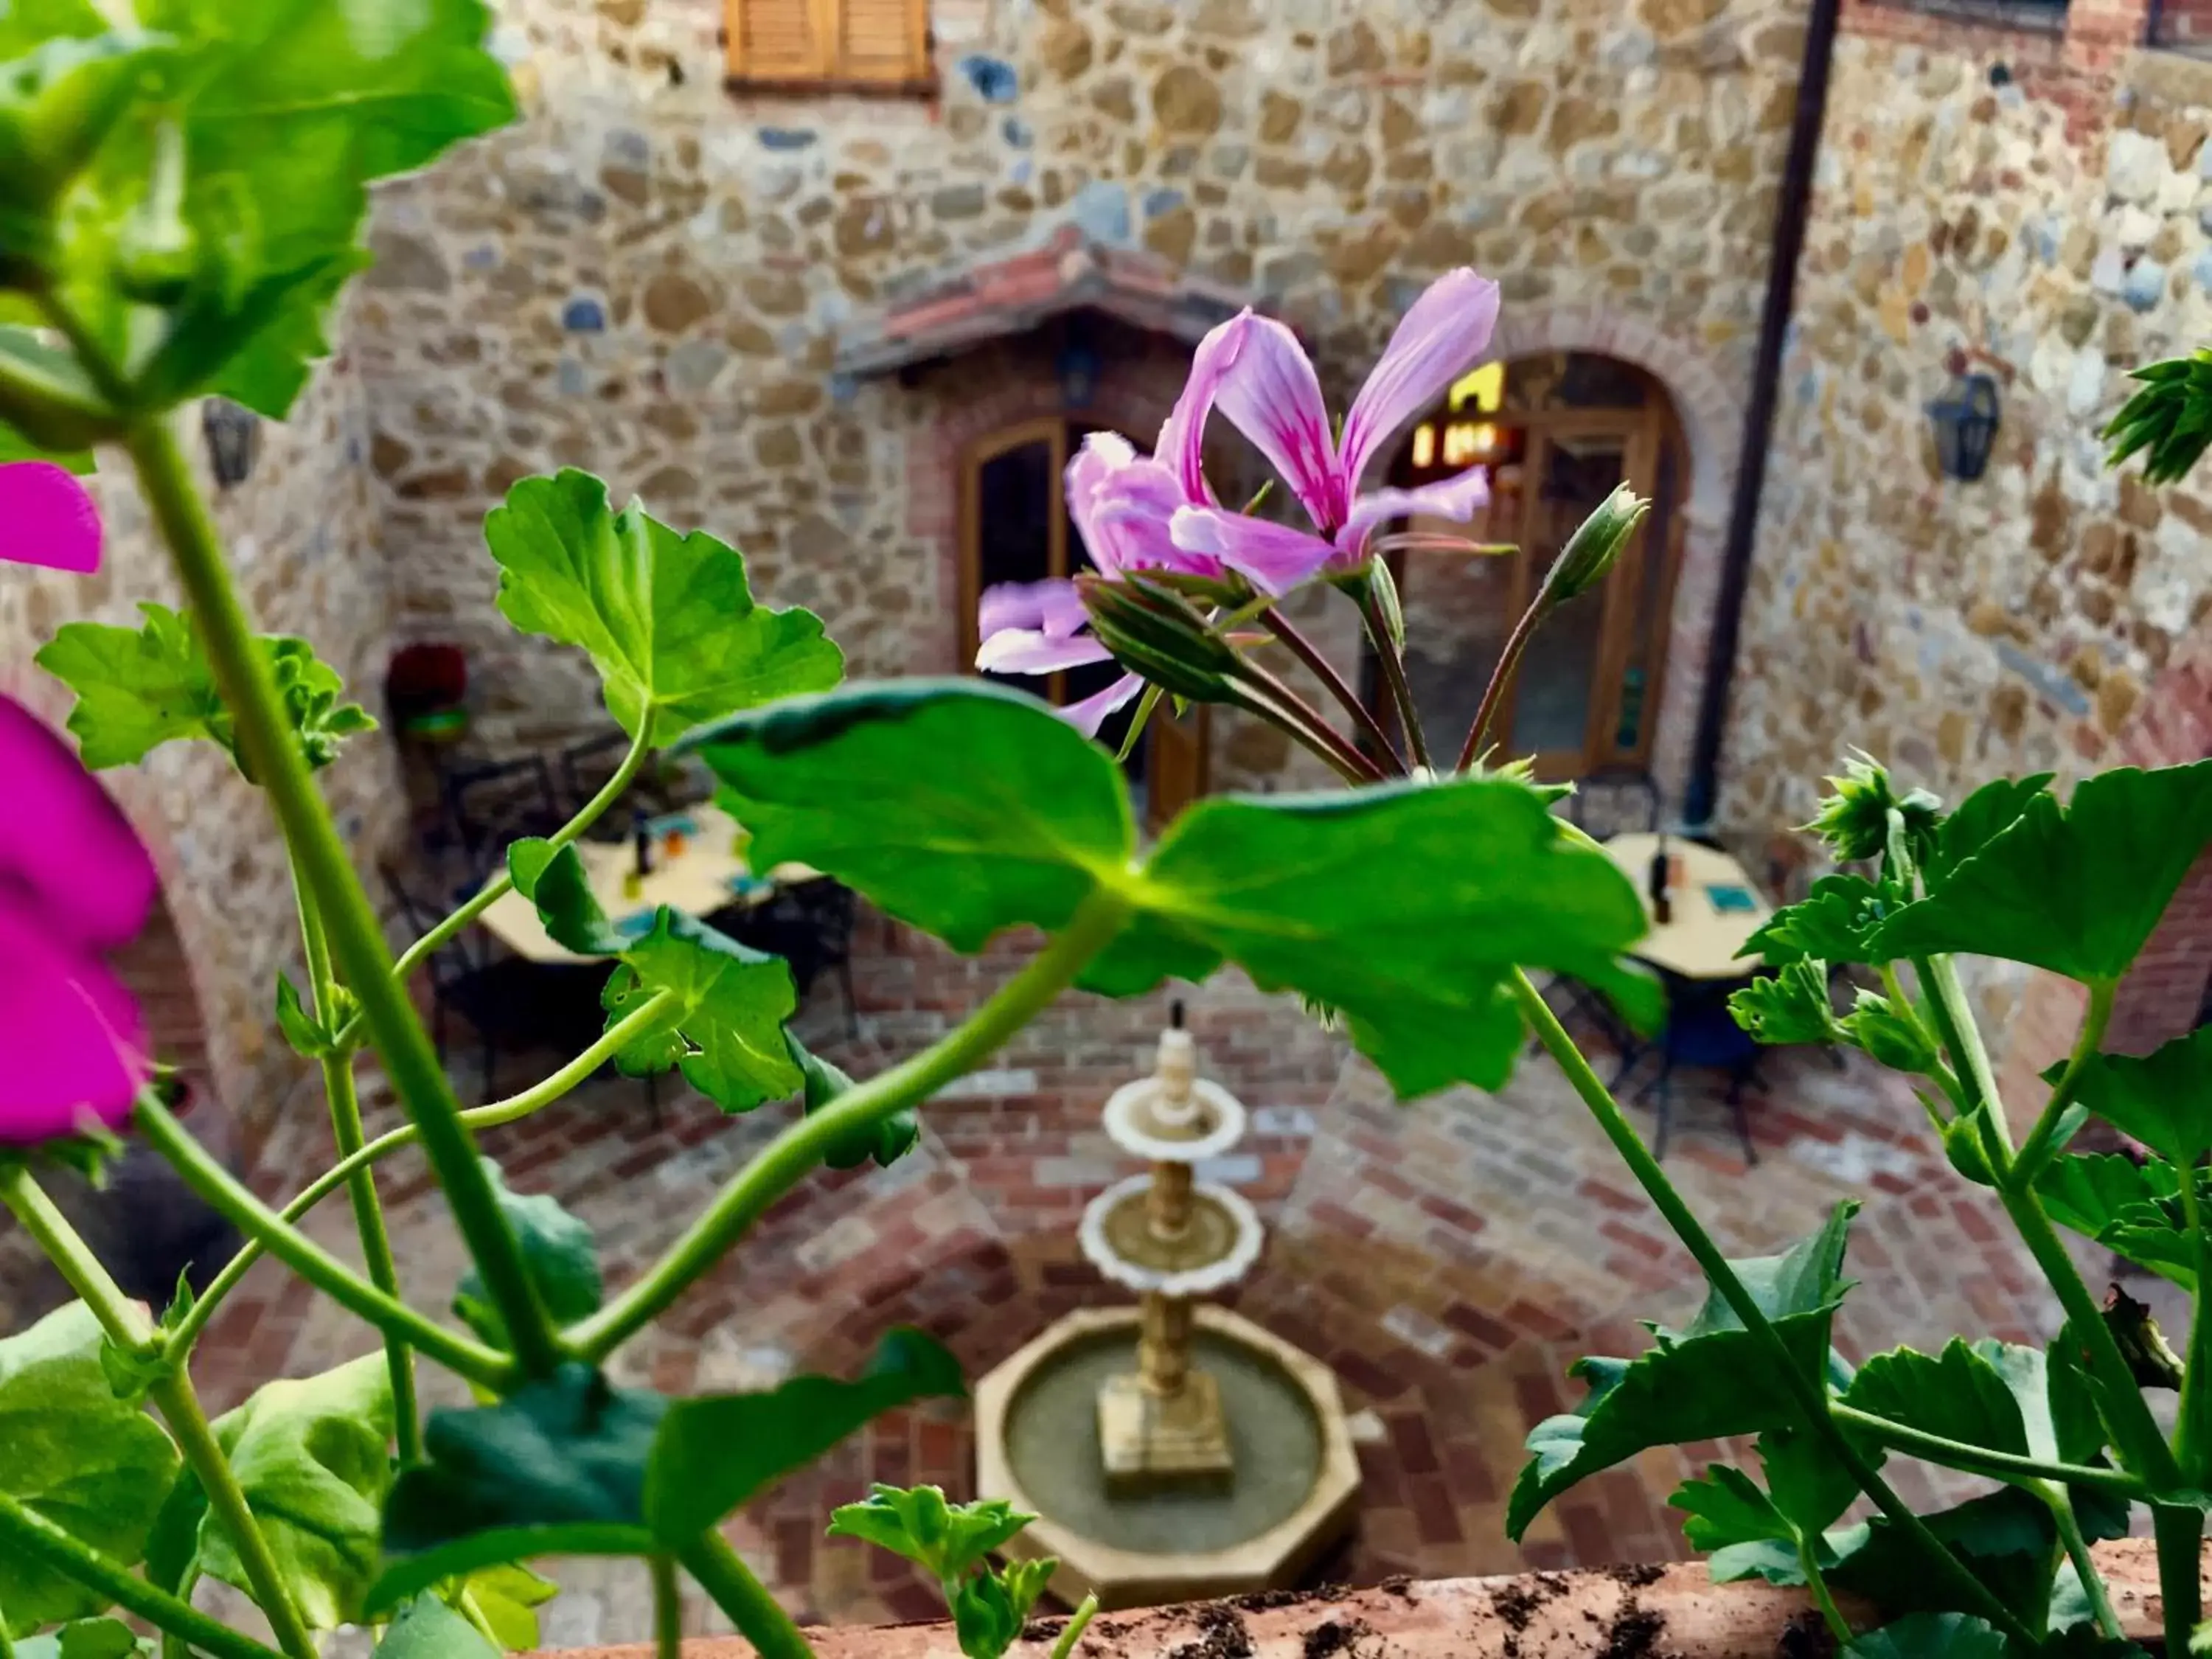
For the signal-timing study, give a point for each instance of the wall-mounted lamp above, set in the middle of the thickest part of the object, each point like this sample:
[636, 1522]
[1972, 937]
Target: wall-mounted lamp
[232, 435]
[1965, 420]
[1079, 368]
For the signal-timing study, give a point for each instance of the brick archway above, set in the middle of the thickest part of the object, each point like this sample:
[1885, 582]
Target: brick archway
[1711, 416]
[1134, 395]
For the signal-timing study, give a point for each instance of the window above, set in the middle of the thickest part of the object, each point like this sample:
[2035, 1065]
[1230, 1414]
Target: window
[855, 46]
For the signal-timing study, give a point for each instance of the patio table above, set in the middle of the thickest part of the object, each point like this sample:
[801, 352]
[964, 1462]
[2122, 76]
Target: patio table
[1715, 907]
[709, 874]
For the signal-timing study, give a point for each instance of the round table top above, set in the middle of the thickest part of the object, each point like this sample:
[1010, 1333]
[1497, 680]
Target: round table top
[1716, 906]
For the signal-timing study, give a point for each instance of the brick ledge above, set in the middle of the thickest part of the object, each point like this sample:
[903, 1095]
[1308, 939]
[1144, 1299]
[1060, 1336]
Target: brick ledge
[1676, 1610]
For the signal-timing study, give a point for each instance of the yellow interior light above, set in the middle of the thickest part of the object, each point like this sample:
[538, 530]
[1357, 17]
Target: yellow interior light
[1484, 387]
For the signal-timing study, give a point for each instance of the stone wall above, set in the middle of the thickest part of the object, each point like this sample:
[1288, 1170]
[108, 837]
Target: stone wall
[302, 531]
[2014, 206]
[650, 275]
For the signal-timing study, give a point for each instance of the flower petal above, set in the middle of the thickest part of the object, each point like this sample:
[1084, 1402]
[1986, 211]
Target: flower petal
[1458, 498]
[1052, 605]
[1026, 651]
[1121, 507]
[1273, 395]
[1181, 446]
[66, 848]
[1273, 557]
[1443, 335]
[74, 1042]
[47, 518]
[1088, 715]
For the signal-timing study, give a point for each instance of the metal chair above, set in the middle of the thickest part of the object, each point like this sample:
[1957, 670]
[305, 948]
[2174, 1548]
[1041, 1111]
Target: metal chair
[810, 926]
[1615, 800]
[588, 767]
[491, 802]
[1699, 1032]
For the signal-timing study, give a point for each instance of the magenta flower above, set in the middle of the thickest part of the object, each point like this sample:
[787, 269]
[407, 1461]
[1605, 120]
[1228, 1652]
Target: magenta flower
[47, 518]
[1273, 395]
[76, 883]
[1122, 505]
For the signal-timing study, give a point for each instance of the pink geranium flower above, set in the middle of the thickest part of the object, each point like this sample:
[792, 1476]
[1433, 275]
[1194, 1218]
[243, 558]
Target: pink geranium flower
[76, 883]
[1271, 394]
[47, 518]
[1122, 504]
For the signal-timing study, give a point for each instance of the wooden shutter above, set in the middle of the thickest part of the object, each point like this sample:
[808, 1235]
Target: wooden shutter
[883, 42]
[781, 39]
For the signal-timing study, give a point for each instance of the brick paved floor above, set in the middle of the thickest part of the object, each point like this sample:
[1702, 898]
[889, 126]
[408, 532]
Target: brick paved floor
[1448, 1259]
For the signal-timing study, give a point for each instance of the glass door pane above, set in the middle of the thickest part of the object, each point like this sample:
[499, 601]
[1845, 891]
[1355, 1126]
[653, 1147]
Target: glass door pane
[1554, 691]
[1017, 506]
[1081, 683]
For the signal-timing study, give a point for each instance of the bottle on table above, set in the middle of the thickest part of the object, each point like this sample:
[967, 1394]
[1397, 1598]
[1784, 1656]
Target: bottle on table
[1662, 907]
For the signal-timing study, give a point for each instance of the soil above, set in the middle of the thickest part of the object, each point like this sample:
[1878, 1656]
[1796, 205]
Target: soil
[1635, 1635]
[1221, 1635]
[1334, 1638]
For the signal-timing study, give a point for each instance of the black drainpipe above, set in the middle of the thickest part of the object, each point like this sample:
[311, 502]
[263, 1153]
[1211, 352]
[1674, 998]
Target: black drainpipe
[1759, 419]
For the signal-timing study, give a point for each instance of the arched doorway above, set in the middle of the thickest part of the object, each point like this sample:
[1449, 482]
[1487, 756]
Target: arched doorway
[1560, 432]
[1014, 527]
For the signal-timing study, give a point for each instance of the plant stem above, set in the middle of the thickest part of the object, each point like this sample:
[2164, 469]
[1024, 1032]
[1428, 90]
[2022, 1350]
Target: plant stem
[2085, 1566]
[1979, 1460]
[486, 896]
[7, 1642]
[26, 1534]
[2036, 1149]
[2136, 1434]
[464, 1357]
[1325, 671]
[2179, 1529]
[535, 1098]
[759, 1618]
[2192, 1443]
[126, 1327]
[794, 1154]
[1811, 1396]
[667, 1606]
[340, 1092]
[1945, 1077]
[1078, 1623]
[1264, 695]
[356, 937]
[1390, 655]
[1509, 662]
[1817, 1582]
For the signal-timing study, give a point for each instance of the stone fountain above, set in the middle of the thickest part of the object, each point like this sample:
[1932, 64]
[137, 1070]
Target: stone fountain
[1172, 1450]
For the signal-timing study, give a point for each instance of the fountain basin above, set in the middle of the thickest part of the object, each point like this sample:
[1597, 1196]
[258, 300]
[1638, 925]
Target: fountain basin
[1296, 1478]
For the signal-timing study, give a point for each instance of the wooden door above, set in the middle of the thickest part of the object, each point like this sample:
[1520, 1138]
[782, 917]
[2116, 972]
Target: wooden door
[1175, 774]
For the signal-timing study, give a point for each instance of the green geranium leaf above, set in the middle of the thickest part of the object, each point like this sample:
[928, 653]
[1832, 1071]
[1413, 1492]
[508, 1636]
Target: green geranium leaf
[1705, 1383]
[94, 1465]
[558, 1253]
[989, 1610]
[726, 1031]
[1958, 1395]
[714, 1454]
[556, 1468]
[2133, 1210]
[1790, 1005]
[140, 687]
[2163, 1099]
[427, 1628]
[14, 446]
[1014, 821]
[1979, 819]
[313, 1458]
[131, 1370]
[2007, 1538]
[1833, 922]
[1726, 1507]
[554, 880]
[259, 147]
[86, 1639]
[307, 1036]
[1403, 908]
[668, 619]
[886, 1141]
[2076, 891]
[945, 1540]
[1930, 1636]
[506, 1598]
